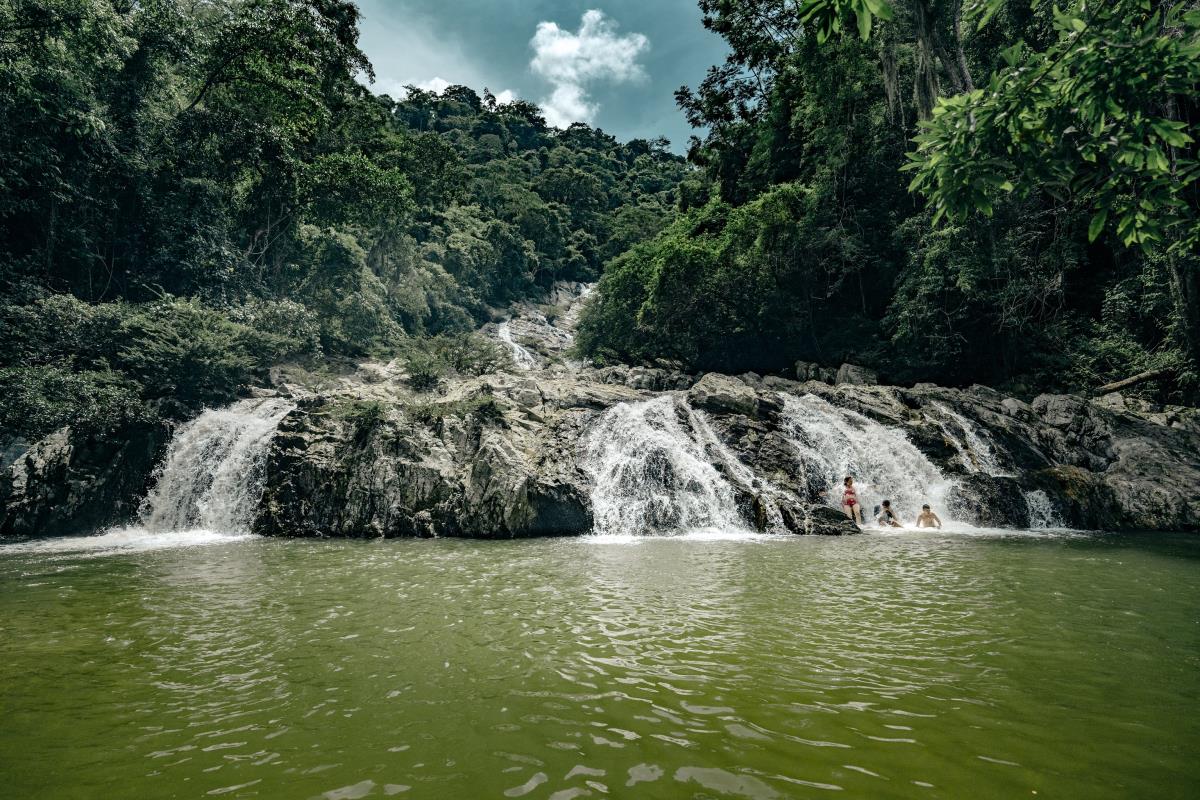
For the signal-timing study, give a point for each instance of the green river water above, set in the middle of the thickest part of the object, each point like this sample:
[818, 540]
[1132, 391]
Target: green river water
[881, 666]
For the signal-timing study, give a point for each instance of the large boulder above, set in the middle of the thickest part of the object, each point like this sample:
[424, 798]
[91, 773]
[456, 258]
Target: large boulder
[724, 394]
[71, 482]
[855, 375]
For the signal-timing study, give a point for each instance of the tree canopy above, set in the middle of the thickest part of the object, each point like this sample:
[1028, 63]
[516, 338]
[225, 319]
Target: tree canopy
[209, 187]
[1047, 236]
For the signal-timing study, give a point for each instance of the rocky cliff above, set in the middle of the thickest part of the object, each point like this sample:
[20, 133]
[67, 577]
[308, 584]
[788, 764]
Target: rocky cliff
[505, 455]
[560, 448]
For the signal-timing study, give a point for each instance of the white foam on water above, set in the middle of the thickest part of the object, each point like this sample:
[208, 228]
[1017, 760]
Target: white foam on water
[695, 535]
[123, 540]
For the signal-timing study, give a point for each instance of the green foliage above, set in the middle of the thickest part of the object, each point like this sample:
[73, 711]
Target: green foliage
[1087, 118]
[482, 408]
[37, 400]
[1081, 143]
[220, 192]
[183, 349]
[429, 360]
[724, 287]
[425, 370]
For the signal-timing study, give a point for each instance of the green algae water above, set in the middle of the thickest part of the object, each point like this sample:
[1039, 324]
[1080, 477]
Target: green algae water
[913, 665]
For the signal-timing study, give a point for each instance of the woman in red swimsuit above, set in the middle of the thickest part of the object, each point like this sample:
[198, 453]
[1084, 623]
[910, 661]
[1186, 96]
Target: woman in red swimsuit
[850, 503]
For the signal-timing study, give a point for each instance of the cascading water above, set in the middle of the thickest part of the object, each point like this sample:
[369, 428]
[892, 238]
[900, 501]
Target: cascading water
[975, 449]
[835, 442]
[521, 355]
[654, 467]
[1042, 513]
[570, 320]
[212, 476]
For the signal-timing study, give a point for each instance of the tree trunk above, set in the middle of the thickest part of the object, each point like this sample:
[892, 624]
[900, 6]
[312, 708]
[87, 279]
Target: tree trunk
[1185, 279]
[1141, 377]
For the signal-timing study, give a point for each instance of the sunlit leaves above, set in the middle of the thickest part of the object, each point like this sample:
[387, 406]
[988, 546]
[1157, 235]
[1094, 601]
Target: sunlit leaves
[831, 16]
[1086, 119]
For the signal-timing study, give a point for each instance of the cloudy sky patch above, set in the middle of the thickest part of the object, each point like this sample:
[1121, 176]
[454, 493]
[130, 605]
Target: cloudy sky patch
[491, 43]
[573, 61]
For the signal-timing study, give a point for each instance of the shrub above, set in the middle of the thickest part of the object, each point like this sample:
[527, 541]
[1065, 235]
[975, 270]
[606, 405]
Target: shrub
[181, 348]
[281, 328]
[425, 370]
[35, 401]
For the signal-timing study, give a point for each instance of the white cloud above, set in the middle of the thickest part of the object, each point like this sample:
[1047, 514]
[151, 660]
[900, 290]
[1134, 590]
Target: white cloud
[573, 61]
[437, 84]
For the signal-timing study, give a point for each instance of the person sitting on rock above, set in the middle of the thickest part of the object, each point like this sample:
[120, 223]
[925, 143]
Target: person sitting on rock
[850, 505]
[928, 519]
[885, 516]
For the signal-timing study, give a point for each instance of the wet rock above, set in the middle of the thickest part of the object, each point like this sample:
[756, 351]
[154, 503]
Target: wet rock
[993, 502]
[70, 482]
[821, 520]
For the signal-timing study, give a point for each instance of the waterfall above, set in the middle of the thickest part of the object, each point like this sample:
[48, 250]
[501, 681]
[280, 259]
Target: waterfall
[1042, 513]
[658, 467]
[570, 320]
[212, 475]
[975, 449]
[520, 355]
[835, 442]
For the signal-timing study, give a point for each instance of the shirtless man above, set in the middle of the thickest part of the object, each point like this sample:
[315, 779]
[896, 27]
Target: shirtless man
[928, 519]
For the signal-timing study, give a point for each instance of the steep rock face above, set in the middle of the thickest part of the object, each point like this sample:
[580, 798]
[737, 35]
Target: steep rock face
[495, 458]
[501, 456]
[67, 483]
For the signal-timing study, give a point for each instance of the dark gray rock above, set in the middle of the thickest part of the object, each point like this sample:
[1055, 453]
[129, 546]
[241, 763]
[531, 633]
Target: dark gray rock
[994, 502]
[69, 483]
[855, 375]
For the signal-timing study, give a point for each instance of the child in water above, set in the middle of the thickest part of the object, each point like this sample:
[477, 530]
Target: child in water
[850, 505]
[886, 517]
[928, 519]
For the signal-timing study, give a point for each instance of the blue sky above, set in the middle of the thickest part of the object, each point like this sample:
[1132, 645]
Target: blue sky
[612, 63]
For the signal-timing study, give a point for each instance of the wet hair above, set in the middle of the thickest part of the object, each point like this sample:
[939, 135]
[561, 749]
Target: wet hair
[848, 479]
[887, 503]
[925, 507]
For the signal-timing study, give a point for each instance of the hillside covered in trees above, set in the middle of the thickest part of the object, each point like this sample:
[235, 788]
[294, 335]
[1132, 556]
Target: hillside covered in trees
[193, 191]
[982, 191]
[1049, 240]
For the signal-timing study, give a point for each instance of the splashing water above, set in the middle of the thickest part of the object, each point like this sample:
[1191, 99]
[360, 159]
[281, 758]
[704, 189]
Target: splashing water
[1042, 513]
[657, 467]
[521, 355]
[835, 442]
[975, 449]
[212, 476]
